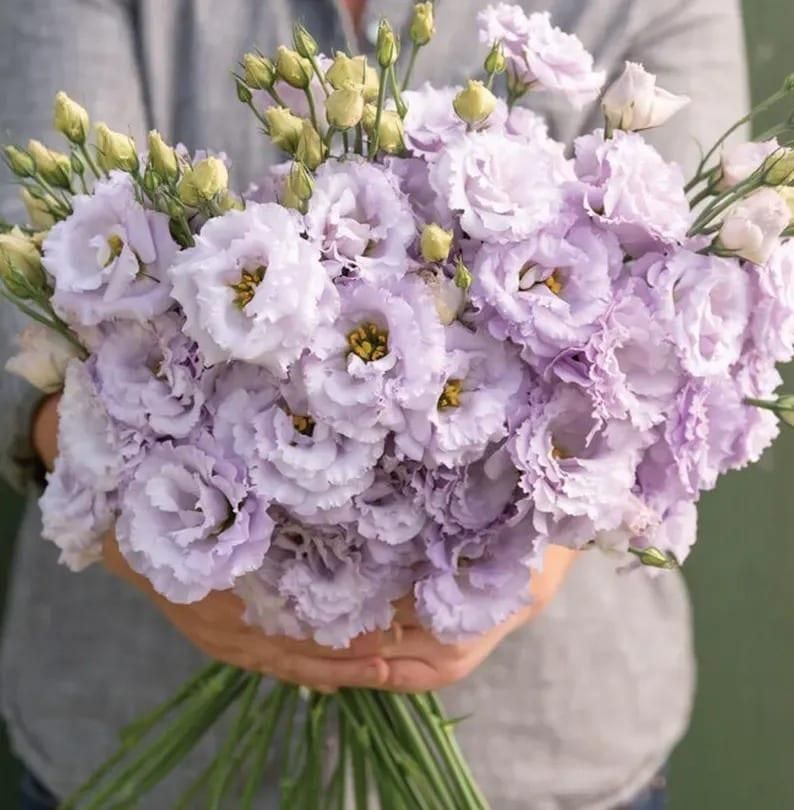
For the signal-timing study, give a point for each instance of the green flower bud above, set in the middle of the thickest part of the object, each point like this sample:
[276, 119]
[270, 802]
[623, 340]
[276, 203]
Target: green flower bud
[115, 150]
[151, 180]
[205, 181]
[71, 120]
[391, 133]
[788, 84]
[305, 43]
[463, 277]
[311, 150]
[162, 157]
[39, 209]
[293, 68]
[228, 202]
[474, 103]
[54, 167]
[387, 48]
[78, 167]
[284, 128]
[495, 62]
[344, 107]
[422, 25]
[779, 168]
[259, 72]
[243, 93]
[435, 243]
[19, 161]
[20, 264]
[353, 70]
[654, 557]
[174, 208]
[300, 181]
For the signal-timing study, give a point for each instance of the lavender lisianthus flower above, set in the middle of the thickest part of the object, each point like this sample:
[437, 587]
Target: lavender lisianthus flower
[547, 292]
[383, 357]
[75, 516]
[150, 376]
[540, 54]
[253, 289]
[189, 521]
[630, 188]
[321, 582]
[772, 305]
[481, 378]
[412, 176]
[525, 124]
[704, 301]
[361, 220]
[109, 258]
[577, 476]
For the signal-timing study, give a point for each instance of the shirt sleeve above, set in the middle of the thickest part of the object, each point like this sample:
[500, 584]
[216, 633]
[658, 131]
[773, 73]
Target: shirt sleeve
[90, 50]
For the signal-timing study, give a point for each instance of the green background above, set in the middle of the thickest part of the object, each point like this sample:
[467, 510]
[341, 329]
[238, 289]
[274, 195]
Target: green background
[739, 754]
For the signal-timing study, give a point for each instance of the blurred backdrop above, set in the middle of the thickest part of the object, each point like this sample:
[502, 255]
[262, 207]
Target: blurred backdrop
[739, 753]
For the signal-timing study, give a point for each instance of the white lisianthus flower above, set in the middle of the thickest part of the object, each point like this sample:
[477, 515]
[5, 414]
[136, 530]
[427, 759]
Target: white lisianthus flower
[633, 102]
[740, 160]
[753, 226]
[42, 357]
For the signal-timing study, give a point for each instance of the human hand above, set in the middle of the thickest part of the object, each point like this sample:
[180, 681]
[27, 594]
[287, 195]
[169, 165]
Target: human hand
[44, 431]
[418, 662]
[215, 625]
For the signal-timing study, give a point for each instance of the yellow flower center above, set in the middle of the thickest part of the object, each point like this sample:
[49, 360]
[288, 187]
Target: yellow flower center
[450, 396]
[554, 283]
[115, 246]
[303, 424]
[560, 453]
[245, 288]
[369, 342]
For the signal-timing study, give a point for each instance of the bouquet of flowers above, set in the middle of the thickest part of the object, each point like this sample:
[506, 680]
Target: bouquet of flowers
[406, 362]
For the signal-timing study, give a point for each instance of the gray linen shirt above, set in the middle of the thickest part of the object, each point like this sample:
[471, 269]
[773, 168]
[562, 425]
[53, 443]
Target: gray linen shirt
[575, 711]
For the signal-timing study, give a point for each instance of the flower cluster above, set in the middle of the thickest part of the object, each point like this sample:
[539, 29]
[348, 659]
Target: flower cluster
[425, 348]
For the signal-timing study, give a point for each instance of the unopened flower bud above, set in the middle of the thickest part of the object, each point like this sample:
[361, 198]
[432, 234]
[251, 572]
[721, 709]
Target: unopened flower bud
[633, 102]
[54, 167]
[741, 160]
[391, 133]
[387, 48]
[71, 120]
[369, 117]
[751, 228]
[311, 150]
[19, 161]
[305, 43]
[788, 83]
[787, 193]
[300, 181]
[422, 25]
[229, 202]
[353, 70]
[435, 243]
[39, 210]
[115, 150]
[293, 68]
[78, 167]
[495, 62]
[20, 264]
[259, 72]
[243, 92]
[284, 128]
[344, 107]
[162, 157]
[151, 180]
[654, 557]
[474, 103]
[201, 184]
[174, 208]
[780, 168]
[463, 277]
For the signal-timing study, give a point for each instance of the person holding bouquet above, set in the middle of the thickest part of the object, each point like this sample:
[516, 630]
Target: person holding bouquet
[579, 699]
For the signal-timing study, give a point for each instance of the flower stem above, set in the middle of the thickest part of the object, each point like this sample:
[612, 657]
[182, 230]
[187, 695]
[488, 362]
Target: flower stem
[411, 65]
[373, 146]
[312, 108]
[89, 161]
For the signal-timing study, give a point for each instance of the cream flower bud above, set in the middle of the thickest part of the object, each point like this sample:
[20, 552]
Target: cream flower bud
[305, 43]
[474, 103]
[228, 202]
[435, 243]
[780, 168]
[387, 47]
[162, 157]
[463, 277]
[284, 128]
[39, 210]
[391, 133]
[299, 183]
[353, 70]
[54, 167]
[495, 62]
[42, 357]
[115, 150]
[310, 150]
[20, 263]
[71, 120]
[293, 68]
[423, 25]
[634, 102]
[369, 117]
[344, 107]
[738, 161]
[448, 298]
[258, 71]
[206, 180]
[19, 161]
[753, 226]
[787, 193]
